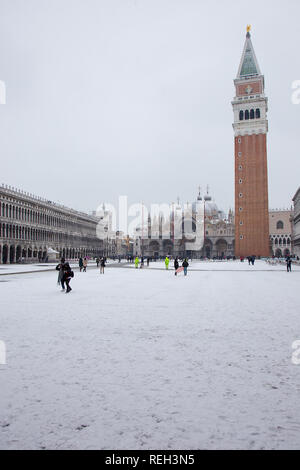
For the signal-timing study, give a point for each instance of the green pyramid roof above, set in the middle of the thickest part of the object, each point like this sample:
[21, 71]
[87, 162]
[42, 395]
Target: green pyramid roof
[249, 64]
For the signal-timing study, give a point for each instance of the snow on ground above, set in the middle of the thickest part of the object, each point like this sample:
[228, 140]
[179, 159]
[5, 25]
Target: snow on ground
[24, 268]
[140, 359]
[217, 265]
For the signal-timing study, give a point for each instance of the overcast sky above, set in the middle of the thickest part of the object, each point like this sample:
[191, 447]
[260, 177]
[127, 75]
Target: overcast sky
[133, 97]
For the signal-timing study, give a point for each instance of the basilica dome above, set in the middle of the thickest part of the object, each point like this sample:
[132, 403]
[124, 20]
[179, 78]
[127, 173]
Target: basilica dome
[211, 208]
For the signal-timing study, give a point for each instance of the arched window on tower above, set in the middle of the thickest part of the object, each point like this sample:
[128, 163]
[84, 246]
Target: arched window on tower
[279, 225]
[257, 113]
[252, 114]
[246, 114]
[241, 115]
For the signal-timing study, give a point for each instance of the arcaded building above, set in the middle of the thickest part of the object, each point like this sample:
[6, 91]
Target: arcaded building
[250, 107]
[30, 226]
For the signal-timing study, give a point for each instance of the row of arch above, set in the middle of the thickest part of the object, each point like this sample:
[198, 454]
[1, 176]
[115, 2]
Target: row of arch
[220, 248]
[280, 240]
[19, 232]
[252, 114]
[278, 253]
[15, 212]
[18, 253]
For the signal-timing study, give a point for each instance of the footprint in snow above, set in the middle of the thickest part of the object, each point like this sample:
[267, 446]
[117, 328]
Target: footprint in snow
[82, 426]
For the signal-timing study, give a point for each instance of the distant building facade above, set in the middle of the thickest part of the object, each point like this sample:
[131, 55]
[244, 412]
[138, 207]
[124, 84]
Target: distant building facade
[218, 234]
[280, 226]
[30, 226]
[296, 224]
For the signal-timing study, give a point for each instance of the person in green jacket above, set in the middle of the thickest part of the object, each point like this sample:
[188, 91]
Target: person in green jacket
[136, 262]
[167, 261]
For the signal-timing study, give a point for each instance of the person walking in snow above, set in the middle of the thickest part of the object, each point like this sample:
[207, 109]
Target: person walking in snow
[167, 262]
[68, 274]
[85, 263]
[185, 265]
[97, 261]
[176, 265]
[102, 265]
[60, 268]
[136, 262]
[289, 264]
[80, 264]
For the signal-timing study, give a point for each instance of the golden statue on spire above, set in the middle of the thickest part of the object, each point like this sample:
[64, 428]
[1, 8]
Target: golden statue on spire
[248, 28]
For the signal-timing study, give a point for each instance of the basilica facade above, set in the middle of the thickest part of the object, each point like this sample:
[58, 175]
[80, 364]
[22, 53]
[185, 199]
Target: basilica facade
[218, 233]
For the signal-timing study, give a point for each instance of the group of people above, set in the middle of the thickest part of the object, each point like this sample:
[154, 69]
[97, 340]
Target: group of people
[99, 261]
[65, 272]
[83, 264]
[184, 265]
[65, 275]
[137, 261]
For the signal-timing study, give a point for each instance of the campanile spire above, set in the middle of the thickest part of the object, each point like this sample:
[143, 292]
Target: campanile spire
[249, 64]
[250, 107]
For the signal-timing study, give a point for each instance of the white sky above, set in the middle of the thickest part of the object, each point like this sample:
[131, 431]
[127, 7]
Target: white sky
[134, 97]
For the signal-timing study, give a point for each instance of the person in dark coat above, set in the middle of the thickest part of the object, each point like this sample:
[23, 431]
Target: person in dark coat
[60, 268]
[185, 265]
[80, 264]
[289, 264]
[102, 265]
[68, 274]
[176, 265]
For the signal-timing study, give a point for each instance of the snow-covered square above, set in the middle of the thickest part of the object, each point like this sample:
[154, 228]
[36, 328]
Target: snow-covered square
[141, 359]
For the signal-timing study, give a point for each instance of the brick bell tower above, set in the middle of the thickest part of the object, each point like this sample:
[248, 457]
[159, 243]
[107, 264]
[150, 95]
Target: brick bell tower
[250, 107]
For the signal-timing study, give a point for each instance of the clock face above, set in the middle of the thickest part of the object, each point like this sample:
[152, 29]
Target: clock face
[248, 90]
